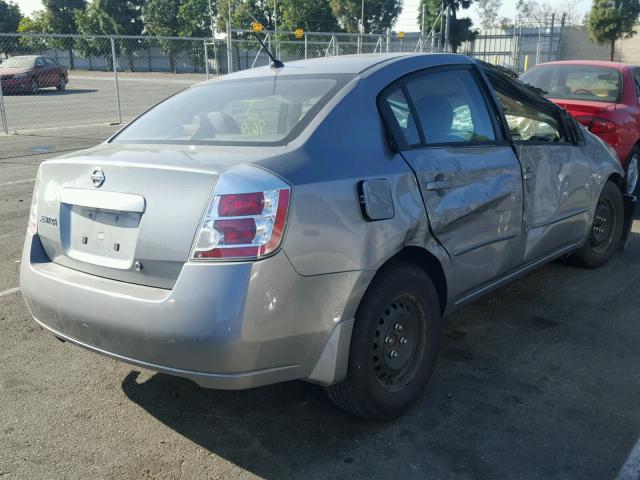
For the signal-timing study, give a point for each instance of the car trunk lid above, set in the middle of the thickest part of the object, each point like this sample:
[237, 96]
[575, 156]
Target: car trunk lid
[128, 213]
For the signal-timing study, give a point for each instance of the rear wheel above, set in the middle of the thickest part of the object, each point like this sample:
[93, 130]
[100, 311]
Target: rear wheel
[394, 344]
[35, 85]
[606, 229]
[631, 179]
[62, 84]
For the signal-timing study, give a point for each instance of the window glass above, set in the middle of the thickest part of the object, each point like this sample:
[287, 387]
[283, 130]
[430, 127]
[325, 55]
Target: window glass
[575, 82]
[264, 110]
[527, 123]
[39, 62]
[399, 106]
[49, 62]
[451, 108]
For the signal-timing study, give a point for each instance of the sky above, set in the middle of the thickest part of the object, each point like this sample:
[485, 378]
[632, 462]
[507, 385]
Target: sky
[406, 22]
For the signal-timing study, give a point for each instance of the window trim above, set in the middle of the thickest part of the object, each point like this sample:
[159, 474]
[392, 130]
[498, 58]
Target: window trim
[401, 83]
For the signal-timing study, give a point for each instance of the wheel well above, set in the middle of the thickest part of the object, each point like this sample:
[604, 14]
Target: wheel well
[617, 179]
[430, 264]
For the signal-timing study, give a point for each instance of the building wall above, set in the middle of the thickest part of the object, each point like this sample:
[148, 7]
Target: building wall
[575, 44]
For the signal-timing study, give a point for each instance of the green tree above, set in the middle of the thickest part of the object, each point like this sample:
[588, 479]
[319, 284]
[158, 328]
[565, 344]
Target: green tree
[110, 17]
[161, 18]
[9, 21]
[379, 15]
[33, 24]
[194, 19]
[311, 15]
[59, 17]
[610, 20]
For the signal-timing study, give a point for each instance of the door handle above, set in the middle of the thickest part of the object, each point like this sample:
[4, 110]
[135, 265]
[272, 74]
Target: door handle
[529, 175]
[438, 185]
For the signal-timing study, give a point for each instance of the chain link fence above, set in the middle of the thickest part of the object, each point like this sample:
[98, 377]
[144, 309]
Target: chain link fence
[53, 81]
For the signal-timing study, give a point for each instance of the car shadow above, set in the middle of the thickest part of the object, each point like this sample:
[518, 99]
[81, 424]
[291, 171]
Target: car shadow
[273, 431]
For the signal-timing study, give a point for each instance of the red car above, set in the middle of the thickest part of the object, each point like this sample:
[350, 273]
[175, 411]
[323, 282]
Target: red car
[602, 96]
[30, 73]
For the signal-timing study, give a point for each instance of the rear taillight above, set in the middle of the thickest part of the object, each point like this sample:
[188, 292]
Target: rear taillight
[241, 224]
[32, 227]
[596, 124]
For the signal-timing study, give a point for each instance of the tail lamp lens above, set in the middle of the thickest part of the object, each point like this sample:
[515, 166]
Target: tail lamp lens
[596, 124]
[243, 225]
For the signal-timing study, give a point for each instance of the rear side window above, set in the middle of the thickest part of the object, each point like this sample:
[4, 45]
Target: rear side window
[399, 107]
[451, 108]
[257, 111]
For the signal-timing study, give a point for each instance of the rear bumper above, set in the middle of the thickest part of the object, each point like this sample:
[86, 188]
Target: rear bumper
[223, 325]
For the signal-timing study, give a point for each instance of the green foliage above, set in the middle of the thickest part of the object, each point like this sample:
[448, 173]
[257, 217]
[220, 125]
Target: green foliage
[194, 19]
[311, 15]
[59, 16]
[9, 21]
[611, 20]
[379, 15]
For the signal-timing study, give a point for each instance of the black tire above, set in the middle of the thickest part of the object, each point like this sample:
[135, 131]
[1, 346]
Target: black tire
[606, 229]
[62, 84]
[400, 313]
[35, 85]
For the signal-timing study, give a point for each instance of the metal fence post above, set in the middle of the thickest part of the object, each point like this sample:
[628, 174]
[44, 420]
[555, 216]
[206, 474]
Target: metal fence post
[305, 45]
[229, 51]
[388, 39]
[3, 113]
[114, 61]
[206, 61]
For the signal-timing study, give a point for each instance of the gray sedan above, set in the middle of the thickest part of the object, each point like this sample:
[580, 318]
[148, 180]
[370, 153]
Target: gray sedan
[315, 221]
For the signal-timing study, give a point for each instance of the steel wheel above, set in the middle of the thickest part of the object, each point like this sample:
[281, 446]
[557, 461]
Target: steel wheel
[394, 344]
[399, 340]
[601, 236]
[632, 173]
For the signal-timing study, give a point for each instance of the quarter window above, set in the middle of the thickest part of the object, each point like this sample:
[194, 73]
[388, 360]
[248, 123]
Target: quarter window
[399, 107]
[450, 108]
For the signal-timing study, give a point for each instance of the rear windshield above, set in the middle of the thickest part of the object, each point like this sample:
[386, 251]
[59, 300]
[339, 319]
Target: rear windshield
[576, 82]
[18, 62]
[257, 111]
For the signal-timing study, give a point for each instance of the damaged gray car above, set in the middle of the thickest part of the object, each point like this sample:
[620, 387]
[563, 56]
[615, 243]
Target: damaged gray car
[315, 221]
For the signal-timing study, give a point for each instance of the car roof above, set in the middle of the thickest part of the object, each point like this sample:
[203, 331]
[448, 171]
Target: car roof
[346, 64]
[591, 63]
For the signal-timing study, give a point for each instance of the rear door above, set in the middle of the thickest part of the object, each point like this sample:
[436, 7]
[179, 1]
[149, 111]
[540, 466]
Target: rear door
[468, 173]
[556, 171]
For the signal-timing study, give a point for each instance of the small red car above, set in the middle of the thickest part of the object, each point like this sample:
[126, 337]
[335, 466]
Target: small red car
[30, 73]
[602, 96]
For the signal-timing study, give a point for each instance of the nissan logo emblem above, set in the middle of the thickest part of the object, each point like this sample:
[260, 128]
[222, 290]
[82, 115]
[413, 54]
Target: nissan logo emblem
[97, 177]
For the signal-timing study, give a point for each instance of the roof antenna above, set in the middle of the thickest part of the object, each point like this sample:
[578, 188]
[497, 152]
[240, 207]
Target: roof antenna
[275, 63]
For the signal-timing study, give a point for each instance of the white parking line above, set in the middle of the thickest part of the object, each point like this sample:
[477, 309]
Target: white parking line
[16, 182]
[10, 291]
[631, 468]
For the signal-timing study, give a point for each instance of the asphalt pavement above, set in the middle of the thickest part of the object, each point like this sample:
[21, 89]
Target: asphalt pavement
[538, 380]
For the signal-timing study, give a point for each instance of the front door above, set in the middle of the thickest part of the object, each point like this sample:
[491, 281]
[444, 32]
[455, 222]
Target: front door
[469, 175]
